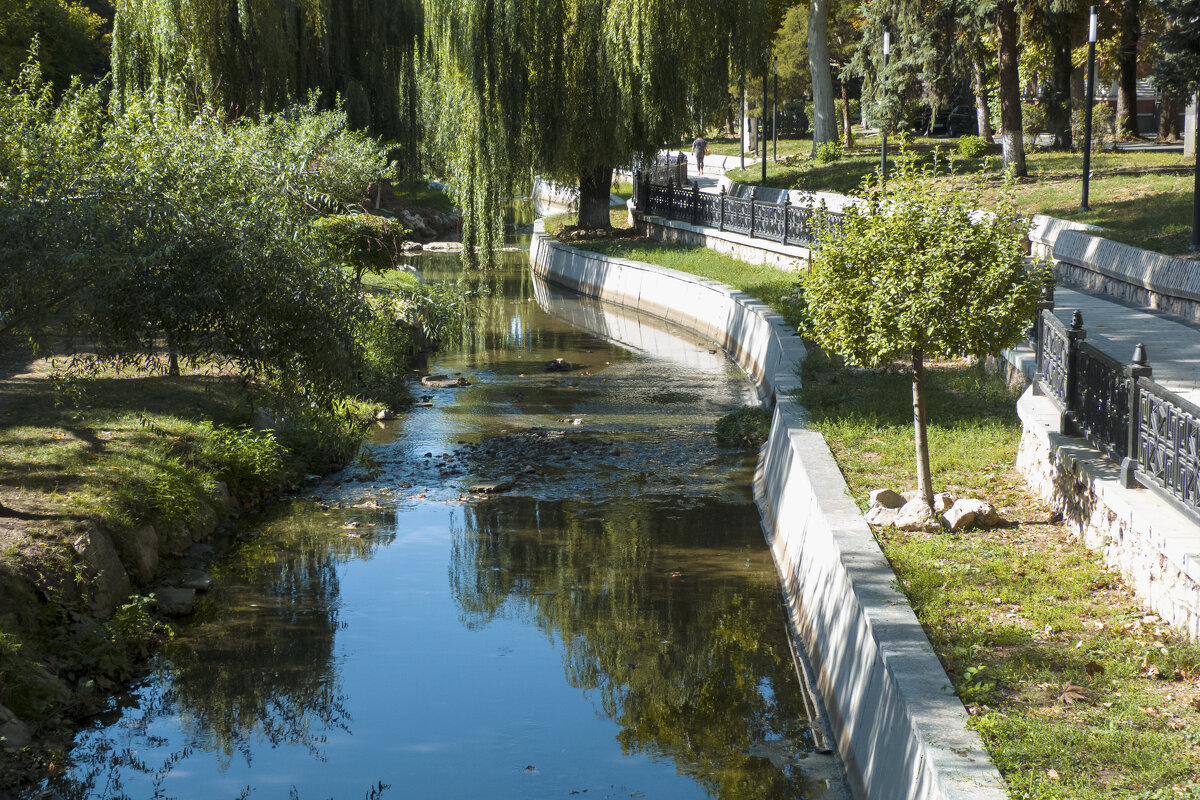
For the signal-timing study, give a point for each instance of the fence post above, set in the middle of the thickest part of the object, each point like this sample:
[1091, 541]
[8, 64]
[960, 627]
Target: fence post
[637, 191]
[1075, 334]
[695, 201]
[786, 214]
[1139, 369]
[753, 195]
[1046, 302]
[721, 213]
[670, 198]
[681, 168]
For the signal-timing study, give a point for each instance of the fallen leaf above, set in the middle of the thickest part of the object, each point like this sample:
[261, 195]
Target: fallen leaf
[1072, 694]
[1093, 668]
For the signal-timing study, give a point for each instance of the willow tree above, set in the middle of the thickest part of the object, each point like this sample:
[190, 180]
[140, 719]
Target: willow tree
[251, 57]
[570, 89]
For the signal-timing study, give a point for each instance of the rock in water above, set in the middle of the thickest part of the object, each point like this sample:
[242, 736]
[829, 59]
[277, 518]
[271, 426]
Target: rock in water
[916, 516]
[175, 602]
[495, 487]
[558, 365]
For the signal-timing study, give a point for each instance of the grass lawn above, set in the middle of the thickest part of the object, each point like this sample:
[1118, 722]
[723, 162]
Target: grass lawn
[1140, 198]
[1076, 691]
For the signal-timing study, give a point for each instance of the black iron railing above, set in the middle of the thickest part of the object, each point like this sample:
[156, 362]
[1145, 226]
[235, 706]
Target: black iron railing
[1151, 432]
[776, 222]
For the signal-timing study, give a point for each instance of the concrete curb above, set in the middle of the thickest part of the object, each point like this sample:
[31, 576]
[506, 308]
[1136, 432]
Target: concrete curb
[900, 730]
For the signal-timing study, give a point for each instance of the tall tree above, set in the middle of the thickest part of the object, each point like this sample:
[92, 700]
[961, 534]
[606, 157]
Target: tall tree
[1057, 26]
[1177, 66]
[260, 56]
[572, 88]
[1129, 31]
[1010, 87]
[824, 123]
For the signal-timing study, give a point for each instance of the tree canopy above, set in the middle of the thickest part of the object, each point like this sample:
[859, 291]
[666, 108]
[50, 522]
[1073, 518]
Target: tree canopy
[918, 273]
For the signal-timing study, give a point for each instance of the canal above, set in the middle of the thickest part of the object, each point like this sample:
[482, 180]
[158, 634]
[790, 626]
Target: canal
[608, 627]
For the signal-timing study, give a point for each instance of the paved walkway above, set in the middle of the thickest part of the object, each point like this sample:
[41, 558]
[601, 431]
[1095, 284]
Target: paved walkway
[1173, 348]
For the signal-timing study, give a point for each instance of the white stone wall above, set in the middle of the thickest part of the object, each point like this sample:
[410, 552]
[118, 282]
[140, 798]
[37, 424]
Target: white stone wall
[900, 730]
[1145, 538]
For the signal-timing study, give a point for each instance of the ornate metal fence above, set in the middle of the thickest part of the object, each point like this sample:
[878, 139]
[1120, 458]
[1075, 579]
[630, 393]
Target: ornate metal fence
[777, 222]
[1151, 432]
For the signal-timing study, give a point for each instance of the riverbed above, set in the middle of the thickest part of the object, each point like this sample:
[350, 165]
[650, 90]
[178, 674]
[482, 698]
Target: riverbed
[609, 625]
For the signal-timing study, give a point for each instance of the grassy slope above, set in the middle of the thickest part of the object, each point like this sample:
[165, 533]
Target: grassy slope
[1076, 691]
[1140, 198]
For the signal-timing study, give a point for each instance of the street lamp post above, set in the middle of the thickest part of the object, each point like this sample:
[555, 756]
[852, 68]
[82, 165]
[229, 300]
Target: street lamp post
[1088, 101]
[887, 47]
[1195, 245]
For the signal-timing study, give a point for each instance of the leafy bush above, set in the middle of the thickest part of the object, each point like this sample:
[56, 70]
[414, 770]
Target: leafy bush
[1033, 119]
[972, 147]
[746, 428]
[828, 152]
[366, 242]
[249, 461]
[1103, 120]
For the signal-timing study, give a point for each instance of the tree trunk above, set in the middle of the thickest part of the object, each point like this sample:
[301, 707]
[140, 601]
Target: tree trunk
[983, 114]
[848, 137]
[1010, 88]
[1128, 33]
[1169, 129]
[823, 123]
[920, 434]
[1058, 115]
[594, 188]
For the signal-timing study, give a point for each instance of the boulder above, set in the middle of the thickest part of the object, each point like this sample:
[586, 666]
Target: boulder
[223, 499]
[882, 516]
[942, 502]
[15, 733]
[558, 365]
[916, 516]
[103, 573]
[385, 415]
[958, 518]
[205, 523]
[196, 579]
[886, 498]
[986, 515]
[494, 487]
[139, 553]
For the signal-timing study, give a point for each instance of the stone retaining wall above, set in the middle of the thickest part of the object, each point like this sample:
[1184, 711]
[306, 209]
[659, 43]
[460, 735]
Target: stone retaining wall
[1139, 534]
[899, 728]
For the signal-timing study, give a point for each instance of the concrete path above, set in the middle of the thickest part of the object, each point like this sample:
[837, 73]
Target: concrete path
[1173, 348]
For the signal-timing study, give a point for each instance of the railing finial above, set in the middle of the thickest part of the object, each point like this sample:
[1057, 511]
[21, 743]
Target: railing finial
[1139, 356]
[1077, 320]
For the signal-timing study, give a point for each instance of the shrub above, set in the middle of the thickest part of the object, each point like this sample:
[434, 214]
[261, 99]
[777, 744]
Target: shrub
[1103, 118]
[746, 428]
[1033, 119]
[972, 146]
[828, 152]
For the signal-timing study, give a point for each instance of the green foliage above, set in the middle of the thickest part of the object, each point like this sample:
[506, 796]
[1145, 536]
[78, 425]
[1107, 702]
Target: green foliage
[745, 428]
[67, 35]
[250, 462]
[365, 242]
[1033, 119]
[917, 268]
[166, 231]
[972, 147]
[828, 152]
[263, 56]
[1103, 117]
[1178, 65]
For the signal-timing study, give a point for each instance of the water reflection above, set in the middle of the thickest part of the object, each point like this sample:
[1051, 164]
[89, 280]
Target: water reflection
[668, 615]
[613, 628]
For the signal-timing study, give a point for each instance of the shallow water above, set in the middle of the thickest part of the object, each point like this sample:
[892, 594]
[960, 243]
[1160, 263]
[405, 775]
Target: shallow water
[610, 627]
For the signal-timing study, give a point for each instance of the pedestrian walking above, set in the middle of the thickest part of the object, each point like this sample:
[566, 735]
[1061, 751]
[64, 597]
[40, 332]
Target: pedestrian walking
[699, 149]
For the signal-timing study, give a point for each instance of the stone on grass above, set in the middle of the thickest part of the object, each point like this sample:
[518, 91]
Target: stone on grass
[942, 502]
[886, 498]
[916, 516]
[986, 515]
[882, 516]
[958, 517]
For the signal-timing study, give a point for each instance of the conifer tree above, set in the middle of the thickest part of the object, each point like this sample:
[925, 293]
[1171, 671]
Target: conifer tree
[1178, 66]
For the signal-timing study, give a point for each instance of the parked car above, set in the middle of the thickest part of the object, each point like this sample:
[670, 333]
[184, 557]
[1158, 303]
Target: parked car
[963, 121]
[920, 123]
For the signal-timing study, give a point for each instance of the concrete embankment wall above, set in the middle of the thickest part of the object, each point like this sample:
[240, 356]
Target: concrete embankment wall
[899, 728]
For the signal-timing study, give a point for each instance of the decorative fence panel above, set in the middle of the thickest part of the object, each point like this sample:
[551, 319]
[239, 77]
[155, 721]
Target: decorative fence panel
[776, 222]
[1151, 432]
